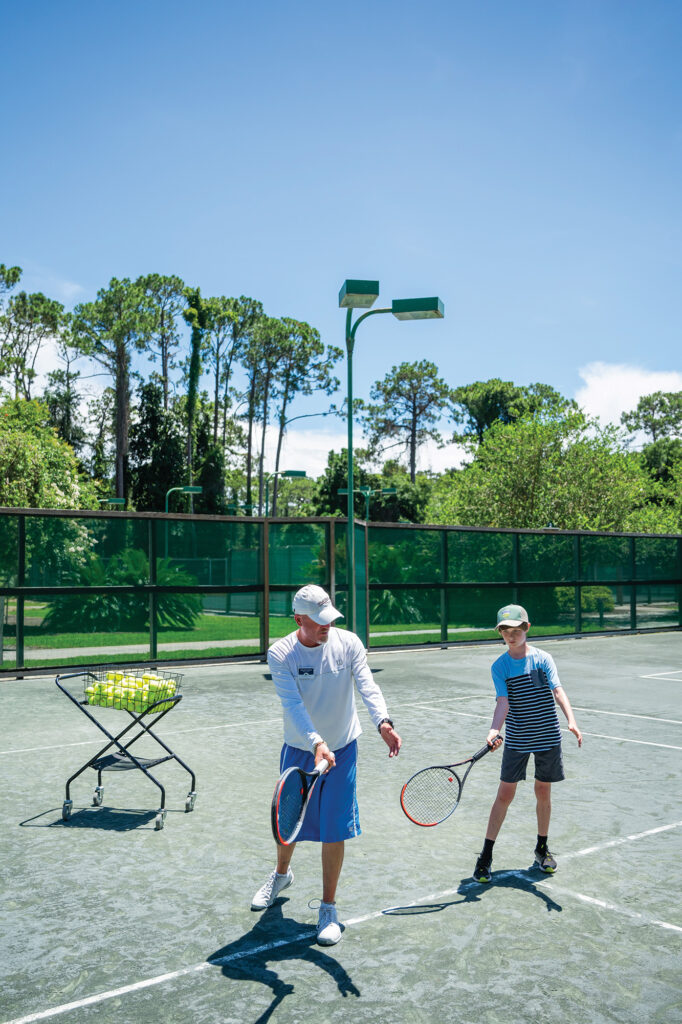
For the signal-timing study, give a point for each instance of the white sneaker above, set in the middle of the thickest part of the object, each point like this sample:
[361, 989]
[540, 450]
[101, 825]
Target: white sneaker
[268, 893]
[328, 930]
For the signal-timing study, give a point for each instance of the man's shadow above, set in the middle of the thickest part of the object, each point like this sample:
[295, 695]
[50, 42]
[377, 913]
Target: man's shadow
[472, 891]
[276, 939]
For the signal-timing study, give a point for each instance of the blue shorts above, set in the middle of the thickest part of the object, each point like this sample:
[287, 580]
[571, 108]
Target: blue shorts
[332, 814]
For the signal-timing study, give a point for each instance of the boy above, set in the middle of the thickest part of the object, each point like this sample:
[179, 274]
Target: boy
[527, 686]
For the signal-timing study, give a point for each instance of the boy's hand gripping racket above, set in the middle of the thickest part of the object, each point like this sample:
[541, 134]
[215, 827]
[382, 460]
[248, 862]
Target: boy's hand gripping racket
[433, 794]
[290, 801]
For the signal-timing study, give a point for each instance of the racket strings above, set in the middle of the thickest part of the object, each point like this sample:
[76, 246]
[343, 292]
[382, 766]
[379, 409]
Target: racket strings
[431, 795]
[290, 804]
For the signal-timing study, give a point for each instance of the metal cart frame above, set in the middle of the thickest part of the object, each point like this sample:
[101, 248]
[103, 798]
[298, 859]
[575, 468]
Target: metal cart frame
[122, 759]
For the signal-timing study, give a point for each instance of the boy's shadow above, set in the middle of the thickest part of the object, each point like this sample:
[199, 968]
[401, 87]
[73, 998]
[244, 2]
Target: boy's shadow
[277, 939]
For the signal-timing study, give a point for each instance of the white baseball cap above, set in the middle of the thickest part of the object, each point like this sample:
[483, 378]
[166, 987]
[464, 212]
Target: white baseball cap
[316, 603]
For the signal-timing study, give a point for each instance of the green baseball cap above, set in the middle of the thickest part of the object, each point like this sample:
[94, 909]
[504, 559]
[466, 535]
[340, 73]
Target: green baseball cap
[511, 615]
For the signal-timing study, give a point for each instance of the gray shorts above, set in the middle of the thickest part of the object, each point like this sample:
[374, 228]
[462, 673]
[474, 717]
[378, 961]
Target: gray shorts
[549, 765]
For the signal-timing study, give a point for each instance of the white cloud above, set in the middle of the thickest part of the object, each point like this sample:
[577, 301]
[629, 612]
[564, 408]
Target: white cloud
[611, 388]
[308, 449]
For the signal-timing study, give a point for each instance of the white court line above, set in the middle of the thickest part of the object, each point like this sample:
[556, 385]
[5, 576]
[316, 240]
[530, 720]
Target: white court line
[592, 711]
[627, 714]
[373, 915]
[622, 739]
[595, 735]
[619, 842]
[173, 732]
[662, 675]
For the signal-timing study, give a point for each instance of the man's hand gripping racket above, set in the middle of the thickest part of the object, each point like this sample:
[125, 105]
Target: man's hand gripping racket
[290, 801]
[432, 795]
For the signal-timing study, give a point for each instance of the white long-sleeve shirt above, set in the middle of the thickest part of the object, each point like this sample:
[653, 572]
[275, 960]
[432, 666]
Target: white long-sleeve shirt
[315, 686]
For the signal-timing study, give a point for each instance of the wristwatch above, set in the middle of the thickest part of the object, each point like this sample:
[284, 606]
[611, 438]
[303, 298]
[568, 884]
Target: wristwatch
[384, 721]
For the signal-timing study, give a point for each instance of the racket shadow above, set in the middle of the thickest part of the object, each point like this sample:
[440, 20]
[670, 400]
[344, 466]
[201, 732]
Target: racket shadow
[273, 941]
[472, 891]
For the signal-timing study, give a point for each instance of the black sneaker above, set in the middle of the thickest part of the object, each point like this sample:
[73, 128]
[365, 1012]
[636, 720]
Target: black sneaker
[545, 861]
[482, 871]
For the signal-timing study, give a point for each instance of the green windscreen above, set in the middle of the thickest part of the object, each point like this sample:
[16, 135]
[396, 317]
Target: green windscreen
[604, 558]
[657, 558]
[545, 557]
[86, 552]
[404, 556]
[475, 557]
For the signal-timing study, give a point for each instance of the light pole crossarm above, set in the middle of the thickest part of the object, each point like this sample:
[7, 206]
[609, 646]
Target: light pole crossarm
[350, 330]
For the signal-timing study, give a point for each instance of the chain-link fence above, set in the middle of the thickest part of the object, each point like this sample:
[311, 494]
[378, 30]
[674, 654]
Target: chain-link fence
[80, 588]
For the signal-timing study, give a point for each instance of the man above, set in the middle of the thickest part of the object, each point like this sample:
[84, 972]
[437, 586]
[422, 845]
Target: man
[313, 670]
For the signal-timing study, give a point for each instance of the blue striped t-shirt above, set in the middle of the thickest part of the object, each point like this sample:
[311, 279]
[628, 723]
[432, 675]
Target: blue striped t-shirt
[532, 723]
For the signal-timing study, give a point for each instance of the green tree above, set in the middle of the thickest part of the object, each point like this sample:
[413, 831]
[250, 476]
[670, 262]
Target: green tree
[662, 458]
[29, 322]
[62, 398]
[37, 468]
[327, 501]
[157, 450]
[108, 330]
[408, 403]
[659, 415]
[210, 463]
[240, 319]
[571, 473]
[9, 279]
[304, 366]
[477, 406]
[167, 302]
[101, 418]
[197, 317]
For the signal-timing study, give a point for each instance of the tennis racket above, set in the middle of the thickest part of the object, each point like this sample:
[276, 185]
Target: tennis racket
[432, 795]
[290, 801]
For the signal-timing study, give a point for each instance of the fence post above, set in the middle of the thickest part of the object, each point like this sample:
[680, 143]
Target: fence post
[153, 636]
[444, 571]
[21, 582]
[516, 565]
[633, 586]
[331, 558]
[577, 569]
[265, 573]
[367, 584]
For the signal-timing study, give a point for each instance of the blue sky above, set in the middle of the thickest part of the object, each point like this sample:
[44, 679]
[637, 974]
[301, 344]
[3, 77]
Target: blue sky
[520, 160]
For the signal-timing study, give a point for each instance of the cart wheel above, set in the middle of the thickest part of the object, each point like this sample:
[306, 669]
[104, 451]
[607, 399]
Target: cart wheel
[66, 810]
[159, 820]
[190, 801]
[98, 796]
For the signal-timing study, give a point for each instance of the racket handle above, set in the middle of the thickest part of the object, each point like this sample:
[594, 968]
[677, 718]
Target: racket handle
[485, 750]
[321, 767]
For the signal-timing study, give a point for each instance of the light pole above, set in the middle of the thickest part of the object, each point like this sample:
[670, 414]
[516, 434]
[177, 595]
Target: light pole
[185, 490]
[363, 295]
[288, 473]
[368, 491]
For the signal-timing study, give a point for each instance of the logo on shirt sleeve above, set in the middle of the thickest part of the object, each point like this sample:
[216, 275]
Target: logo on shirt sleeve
[305, 671]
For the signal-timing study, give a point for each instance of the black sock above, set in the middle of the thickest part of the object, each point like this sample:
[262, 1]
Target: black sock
[541, 844]
[487, 851]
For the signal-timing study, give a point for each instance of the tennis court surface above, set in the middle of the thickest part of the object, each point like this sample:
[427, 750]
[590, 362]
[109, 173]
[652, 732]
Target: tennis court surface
[107, 919]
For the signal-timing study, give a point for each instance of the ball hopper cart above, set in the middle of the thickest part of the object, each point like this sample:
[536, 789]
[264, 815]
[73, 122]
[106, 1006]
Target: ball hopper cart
[147, 696]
